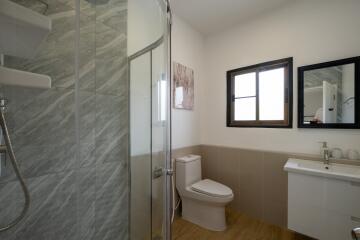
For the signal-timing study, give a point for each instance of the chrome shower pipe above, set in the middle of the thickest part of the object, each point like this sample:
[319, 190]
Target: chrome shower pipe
[9, 149]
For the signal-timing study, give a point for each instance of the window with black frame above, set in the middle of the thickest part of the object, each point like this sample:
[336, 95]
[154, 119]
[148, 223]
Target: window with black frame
[260, 95]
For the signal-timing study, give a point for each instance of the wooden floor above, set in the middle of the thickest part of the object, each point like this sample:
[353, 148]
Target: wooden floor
[240, 227]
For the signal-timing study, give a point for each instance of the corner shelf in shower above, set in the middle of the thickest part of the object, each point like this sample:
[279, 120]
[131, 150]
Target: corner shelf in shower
[15, 77]
[22, 30]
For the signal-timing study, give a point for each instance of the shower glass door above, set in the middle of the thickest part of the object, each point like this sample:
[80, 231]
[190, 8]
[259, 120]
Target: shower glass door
[159, 140]
[149, 124]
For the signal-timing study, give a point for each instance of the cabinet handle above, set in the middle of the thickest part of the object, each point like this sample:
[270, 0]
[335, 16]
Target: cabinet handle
[355, 219]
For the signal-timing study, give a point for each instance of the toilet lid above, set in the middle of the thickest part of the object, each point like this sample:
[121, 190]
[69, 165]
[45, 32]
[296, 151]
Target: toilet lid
[212, 188]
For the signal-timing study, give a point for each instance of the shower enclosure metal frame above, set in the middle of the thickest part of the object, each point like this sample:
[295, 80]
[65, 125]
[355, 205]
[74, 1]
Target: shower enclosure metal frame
[167, 171]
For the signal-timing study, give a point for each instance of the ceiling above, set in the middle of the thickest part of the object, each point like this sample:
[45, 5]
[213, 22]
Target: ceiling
[211, 16]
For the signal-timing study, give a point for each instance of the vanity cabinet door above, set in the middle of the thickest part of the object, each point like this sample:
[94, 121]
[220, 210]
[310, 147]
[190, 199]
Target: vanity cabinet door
[305, 201]
[343, 197]
[337, 226]
[323, 208]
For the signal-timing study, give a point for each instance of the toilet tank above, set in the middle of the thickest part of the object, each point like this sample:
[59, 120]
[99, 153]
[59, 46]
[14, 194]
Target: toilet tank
[188, 171]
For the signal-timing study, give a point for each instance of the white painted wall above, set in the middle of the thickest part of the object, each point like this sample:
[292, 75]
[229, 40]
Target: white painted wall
[188, 49]
[140, 105]
[313, 100]
[145, 24]
[310, 31]
[144, 27]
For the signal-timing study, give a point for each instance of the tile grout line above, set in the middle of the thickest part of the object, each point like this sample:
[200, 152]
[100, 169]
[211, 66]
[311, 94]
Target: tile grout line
[77, 117]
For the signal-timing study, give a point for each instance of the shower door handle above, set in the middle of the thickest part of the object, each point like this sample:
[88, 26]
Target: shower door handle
[158, 172]
[169, 172]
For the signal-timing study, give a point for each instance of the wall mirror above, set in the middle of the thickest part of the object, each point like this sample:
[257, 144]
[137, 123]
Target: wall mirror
[329, 94]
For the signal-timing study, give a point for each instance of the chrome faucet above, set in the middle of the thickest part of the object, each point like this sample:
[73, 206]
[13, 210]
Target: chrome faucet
[326, 153]
[326, 156]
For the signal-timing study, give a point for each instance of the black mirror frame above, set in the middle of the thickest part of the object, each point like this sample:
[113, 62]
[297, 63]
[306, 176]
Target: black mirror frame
[301, 70]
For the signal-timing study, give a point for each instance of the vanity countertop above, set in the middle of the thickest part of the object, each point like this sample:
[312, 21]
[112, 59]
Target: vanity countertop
[317, 168]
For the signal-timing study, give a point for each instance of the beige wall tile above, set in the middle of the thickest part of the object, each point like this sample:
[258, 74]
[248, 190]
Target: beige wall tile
[250, 170]
[222, 166]
[275, 178]
[210, 162]
[179, 152]
[228, 166]
[250, 182]
[256, 178]
[251, 203]
[275, 213]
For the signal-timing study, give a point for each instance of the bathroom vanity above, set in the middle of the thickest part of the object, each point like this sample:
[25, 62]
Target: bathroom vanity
[323, 200]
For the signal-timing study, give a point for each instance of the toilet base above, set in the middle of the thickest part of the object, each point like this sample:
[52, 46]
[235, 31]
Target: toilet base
[209, 216]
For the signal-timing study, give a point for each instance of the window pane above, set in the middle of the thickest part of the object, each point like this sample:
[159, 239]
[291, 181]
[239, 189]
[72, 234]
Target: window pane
[162, 95]
[271, 94]
[245, 85]
[245, 109]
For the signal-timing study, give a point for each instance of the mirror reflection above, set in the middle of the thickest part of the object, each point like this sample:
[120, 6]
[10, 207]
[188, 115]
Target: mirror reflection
[329, 95]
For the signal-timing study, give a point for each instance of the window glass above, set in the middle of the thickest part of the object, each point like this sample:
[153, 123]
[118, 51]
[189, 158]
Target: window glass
[245, 109]
[271, 94]
[245, 85]
[162, 94]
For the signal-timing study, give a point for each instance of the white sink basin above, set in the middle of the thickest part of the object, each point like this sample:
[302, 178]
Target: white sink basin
[338, 171]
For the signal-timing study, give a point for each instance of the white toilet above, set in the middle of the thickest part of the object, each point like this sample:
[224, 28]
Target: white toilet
[203, 201]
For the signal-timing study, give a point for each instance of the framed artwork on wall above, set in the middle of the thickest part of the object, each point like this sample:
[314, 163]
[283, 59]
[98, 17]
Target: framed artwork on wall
[183, 87]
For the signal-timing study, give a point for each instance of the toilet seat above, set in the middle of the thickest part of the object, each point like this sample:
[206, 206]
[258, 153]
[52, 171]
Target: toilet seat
[212, 188]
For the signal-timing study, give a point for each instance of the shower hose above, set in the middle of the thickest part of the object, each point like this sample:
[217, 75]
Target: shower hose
[15, 165]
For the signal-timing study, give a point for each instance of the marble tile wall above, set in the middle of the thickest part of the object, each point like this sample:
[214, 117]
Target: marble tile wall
[78, 191]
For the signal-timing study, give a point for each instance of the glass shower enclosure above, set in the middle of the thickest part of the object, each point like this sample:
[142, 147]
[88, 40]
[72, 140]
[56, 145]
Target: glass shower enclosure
[150, 126]
[86, 87]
